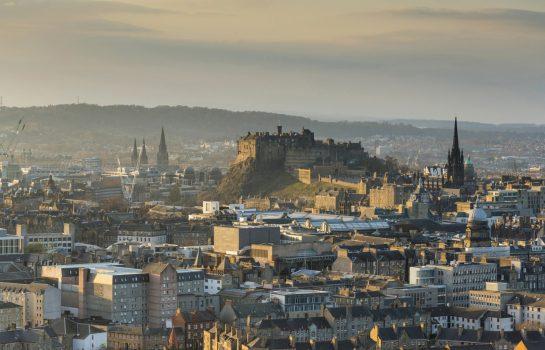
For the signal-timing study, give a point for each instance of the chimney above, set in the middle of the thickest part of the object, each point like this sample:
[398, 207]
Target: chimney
[423, 328]
[21, 230]
[335, 343]
[69, 229]
[83, 276]
[292, 340]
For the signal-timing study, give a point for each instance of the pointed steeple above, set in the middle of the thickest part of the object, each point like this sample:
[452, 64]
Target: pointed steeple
[162, 143]
[134, 154]
[455, 142]
[162, 154]
[143, 154]
[455, 165]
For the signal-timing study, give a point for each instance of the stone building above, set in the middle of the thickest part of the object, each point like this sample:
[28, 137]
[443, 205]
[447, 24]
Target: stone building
[371, 262]
[136, 337]
[293, 150]
[10, 315]
[388, 196]
[231, 239]
[40, 302]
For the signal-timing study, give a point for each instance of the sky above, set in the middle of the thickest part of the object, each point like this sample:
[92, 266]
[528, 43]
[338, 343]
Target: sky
[338, 60]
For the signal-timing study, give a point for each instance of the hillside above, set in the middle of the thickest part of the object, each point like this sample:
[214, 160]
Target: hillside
[81, 125]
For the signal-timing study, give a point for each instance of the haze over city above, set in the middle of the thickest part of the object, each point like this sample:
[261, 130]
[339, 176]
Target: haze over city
[334, 60]
[272, 175]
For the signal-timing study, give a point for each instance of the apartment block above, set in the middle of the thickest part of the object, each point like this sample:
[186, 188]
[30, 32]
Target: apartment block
[40, 302]
[105, 290]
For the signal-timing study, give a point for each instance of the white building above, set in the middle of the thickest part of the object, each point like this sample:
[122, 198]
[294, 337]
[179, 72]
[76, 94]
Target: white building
[10, 244]
[301, 302]
[213, 284]
[89, 338]
[210, 207]
[49, 240]
[473, 319]
[527, 309]
[459, 278]
[143, 233]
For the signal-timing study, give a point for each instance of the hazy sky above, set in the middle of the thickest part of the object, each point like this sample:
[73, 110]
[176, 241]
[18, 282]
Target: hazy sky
[354, 59]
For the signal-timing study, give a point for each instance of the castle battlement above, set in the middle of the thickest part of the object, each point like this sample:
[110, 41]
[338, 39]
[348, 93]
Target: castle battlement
[292, 150]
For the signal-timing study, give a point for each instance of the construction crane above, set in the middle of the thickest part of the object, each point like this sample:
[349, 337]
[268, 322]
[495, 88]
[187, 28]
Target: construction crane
[134, 173]
[7, 151]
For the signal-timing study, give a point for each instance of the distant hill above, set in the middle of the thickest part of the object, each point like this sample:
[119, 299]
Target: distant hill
[86, 126]
[472, 126]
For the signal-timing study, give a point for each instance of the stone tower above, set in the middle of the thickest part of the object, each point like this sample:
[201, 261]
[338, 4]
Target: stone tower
[162, 154]
[455, 164]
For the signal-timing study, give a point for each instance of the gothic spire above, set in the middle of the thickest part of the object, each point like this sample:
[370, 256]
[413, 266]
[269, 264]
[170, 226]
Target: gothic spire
[455, 143]
[162, 154]
[455, 165]
[143, 154]
[162, 143]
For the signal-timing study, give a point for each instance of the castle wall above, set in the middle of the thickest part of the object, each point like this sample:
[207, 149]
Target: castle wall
[294, 150]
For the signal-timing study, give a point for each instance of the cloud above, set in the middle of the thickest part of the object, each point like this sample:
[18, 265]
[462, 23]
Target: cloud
[105, 26]
[22, 8]
[525, 18]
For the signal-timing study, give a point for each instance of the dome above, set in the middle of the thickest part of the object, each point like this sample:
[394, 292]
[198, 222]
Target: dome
[477, 214]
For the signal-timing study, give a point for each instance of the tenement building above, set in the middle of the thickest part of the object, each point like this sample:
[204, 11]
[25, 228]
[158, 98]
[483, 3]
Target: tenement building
[40, 302]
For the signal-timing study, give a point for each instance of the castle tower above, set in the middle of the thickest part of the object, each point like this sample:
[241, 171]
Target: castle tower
[455, 164]
[143, 155]
[134, 154]
[162, 154]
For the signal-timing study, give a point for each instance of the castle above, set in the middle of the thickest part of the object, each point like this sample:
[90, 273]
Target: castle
[293, 150]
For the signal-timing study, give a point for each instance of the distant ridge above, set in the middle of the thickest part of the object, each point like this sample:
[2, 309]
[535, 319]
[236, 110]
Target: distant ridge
[119, 124]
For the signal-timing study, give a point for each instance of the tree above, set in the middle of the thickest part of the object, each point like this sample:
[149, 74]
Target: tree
[36, 248]
[174, 197]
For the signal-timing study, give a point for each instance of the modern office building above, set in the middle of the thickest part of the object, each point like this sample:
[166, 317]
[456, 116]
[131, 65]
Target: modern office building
[231, 239]
[459, 279]
[301, 302]
[10, 244]
[49, 240]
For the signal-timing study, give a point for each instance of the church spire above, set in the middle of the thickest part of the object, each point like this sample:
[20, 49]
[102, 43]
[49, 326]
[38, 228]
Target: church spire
[162, 154]
[162, 143]
[143, 154]
[455, 142]
[455, 165]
